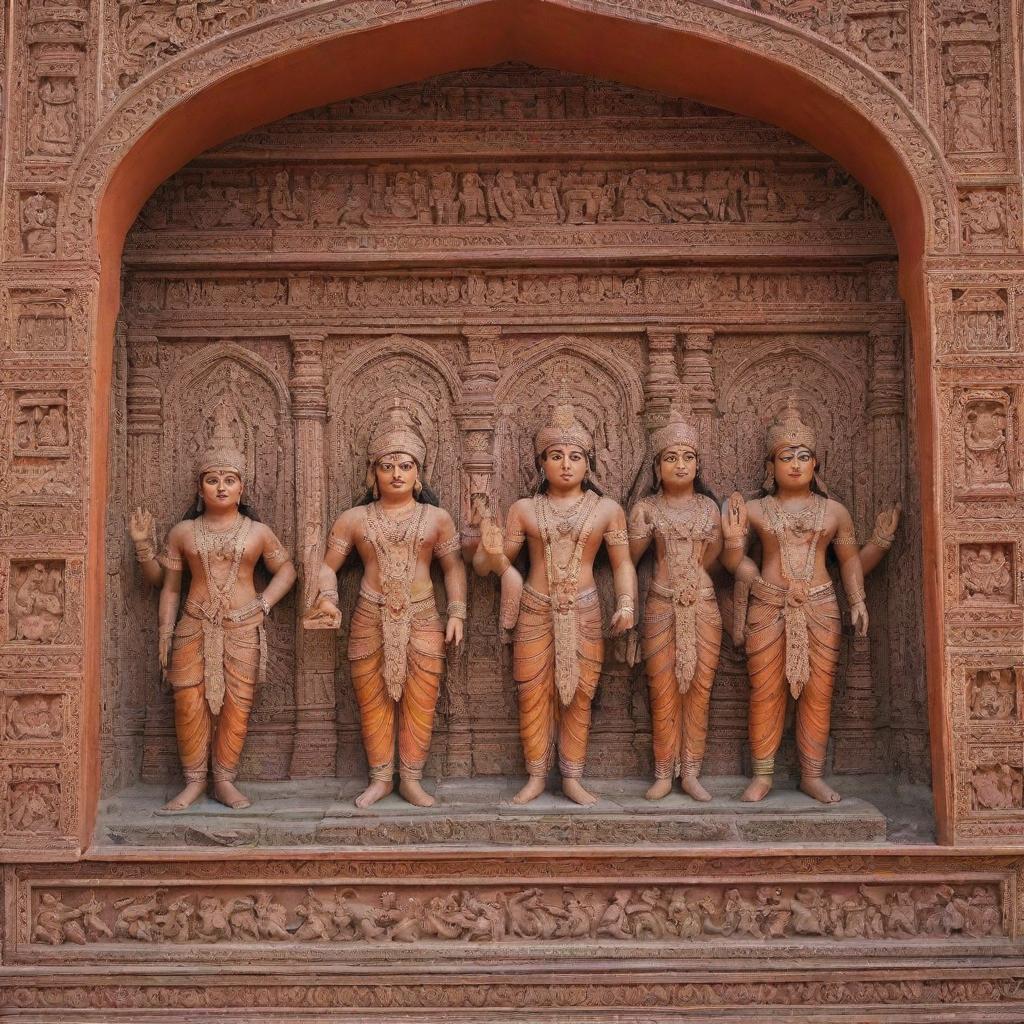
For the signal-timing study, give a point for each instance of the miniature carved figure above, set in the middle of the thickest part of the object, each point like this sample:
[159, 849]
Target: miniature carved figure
[396, 645]
[37, 608]
[558, 648]
[216, 654]
[682, 630]
[33, 717]
[985, 573]
[793, 628]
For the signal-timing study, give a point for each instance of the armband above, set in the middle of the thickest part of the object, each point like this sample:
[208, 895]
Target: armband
[278, 554]
[515, 538]
[169, 561]
[845, 540]
[339, 544]
[446, 547]
[615, 538]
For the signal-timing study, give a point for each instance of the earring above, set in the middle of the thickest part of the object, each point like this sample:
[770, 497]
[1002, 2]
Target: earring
[199, 503]
[375, 491]
[417, 489]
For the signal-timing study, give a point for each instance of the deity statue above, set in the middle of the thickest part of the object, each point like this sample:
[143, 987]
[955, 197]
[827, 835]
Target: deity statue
[793, 628]
[396, 647]
[216, 653]
[682, 626]
[558, 647]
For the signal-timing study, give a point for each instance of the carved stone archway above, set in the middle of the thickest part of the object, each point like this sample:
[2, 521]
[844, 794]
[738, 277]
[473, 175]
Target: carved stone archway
[319, 52]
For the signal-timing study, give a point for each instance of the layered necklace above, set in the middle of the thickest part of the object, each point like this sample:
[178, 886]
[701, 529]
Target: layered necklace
[219, 546]
[797, 524]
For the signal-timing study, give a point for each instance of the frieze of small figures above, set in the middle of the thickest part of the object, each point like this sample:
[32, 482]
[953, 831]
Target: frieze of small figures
[656, 914]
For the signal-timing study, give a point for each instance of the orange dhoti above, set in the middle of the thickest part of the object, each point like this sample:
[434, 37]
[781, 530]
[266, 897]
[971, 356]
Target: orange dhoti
[680, 706]
[793, 638]
[414, 710]
[542, 715]
[211, 662]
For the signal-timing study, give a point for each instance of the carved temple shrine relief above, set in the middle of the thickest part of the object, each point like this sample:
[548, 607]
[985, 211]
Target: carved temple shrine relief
[989, 219]
[976, 319]
[41, 427]
[41, 320]
[968, 66]
[997, 787]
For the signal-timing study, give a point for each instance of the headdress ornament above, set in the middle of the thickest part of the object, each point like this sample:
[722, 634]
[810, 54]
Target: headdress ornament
[396, 432]
[790, 431]
[677, 430]
[221, 450]
[563, 427]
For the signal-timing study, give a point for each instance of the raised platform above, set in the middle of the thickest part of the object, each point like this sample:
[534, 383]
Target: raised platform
[479, 812]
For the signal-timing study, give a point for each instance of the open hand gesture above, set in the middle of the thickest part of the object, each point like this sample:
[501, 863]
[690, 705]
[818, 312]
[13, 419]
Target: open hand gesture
[140, 525]
[734, 522]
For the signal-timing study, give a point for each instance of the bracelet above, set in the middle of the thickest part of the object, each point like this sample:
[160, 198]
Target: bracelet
[857, 597]
[457, 610]
[625, 604]
[264, 604]
[145, 551]
[331, 595]
[166, 631]
[881, 541]
[735, 542]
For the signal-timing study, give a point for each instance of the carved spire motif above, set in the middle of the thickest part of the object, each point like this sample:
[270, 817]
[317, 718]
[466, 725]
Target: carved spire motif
[222, 448]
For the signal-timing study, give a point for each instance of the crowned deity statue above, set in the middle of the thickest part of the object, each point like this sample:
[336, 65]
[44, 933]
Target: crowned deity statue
[792, 624]
[215, 654]
[396, 646]
[682, 626]
[558, 647]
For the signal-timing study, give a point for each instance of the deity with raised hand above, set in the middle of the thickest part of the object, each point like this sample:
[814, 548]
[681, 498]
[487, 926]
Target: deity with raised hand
[396, 646]
[215, 654]
[682, 626]
[558, 647]
[793, 627]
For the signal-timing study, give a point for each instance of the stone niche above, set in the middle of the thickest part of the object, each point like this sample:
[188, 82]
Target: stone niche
[469, 242]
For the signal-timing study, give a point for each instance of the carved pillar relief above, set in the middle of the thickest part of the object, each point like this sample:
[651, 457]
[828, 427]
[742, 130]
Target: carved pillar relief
[698, 378]
[661, 386]
[316, 740]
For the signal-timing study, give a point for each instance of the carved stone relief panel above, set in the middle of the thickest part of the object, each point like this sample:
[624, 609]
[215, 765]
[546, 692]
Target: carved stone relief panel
[32, 717]
[562, 173]
[54, 67]
[553, 918]
[990, 219]
[988, 573]
[975, 319]
[33, 803]
[37, 220]
[987, 453]
[970, 70]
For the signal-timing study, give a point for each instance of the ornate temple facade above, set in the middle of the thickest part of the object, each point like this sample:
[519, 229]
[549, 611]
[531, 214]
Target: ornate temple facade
[275, 219]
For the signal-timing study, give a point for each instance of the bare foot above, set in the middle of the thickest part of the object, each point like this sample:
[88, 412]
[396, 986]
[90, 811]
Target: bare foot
[188, 796]
[817, 788]
[230, 796]
[692, 787]
[658, 789]
[574, 790]
[415, 793]
[760, 786]
[533, 789]
[373, 792]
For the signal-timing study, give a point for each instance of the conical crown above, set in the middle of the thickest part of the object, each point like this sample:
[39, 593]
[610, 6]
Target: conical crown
[396, 433]
[563, 427]
[677, 430]
[790, 431]
[222, 449]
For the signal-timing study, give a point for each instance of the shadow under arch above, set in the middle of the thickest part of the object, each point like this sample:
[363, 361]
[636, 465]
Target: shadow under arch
[590, 39]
